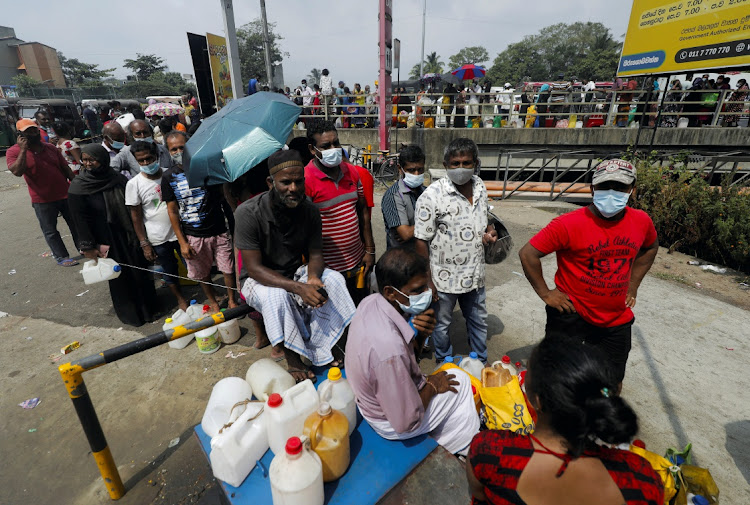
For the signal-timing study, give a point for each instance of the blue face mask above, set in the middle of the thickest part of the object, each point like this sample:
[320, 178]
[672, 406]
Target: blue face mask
[610, 202]
[117, 145]
[417, 303]
[150, 169]
[150, 140]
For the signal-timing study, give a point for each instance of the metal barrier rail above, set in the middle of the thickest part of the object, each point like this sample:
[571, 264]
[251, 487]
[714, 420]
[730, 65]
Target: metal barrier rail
[611, 107]
[72, 376]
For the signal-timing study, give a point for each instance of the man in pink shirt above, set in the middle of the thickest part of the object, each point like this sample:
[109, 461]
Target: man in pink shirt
[392, 394]
[47, 176]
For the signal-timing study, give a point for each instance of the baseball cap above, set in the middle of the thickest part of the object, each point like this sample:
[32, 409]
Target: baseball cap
[24, 124]
[614, 170]
[507, 85]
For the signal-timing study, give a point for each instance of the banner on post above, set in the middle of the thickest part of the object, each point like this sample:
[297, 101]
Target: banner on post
[222, 78]
[672, 37]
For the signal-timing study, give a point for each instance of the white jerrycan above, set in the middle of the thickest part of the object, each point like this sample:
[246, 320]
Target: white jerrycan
[100, 269]
[236, 450]
[296, 475]
[178, 318]
[286, 413]
[337, 392]
[224, 396]
[266, 377]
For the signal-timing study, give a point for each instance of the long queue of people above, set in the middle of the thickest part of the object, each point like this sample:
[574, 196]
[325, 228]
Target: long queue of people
[303, 248]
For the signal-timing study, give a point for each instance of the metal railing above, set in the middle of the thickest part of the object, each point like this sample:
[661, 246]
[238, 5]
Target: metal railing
[603, 108]
[72, 376]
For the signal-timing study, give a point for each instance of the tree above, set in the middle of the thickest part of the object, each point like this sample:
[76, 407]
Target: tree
[475, 54]
[78, 73]
[583, 50]
[252, 56]
[25, 84]
[145, 65]
[314, 77]
[160, 83]
[432, 65]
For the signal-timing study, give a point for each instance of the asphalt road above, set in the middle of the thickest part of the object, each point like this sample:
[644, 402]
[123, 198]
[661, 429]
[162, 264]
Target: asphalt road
[686, 378]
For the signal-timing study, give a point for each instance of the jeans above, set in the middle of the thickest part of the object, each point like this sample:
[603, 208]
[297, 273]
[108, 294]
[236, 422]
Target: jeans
[47, 214]
[474, 308]
[166, 257]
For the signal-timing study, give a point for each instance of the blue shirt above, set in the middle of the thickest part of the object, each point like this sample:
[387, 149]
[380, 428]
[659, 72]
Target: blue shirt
[252, 86]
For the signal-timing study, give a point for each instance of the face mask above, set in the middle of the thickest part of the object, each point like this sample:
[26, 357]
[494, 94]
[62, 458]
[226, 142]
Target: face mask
[150, 169]
[460, 176]
[417, 303]
[610, 202]
[116, 145]
[176, 158]
[413, 181]
[331, 157]
[150, 140]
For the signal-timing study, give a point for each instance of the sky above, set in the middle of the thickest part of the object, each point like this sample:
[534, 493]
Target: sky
[340, 35]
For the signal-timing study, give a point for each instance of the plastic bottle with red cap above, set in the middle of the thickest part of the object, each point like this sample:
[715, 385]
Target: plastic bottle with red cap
[286, 413]
[296, 474]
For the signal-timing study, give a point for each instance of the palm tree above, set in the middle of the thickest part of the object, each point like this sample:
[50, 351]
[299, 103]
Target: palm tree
[313, 77]
[432, 65]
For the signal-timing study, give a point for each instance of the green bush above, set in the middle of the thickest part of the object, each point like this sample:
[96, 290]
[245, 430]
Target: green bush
[693, 217]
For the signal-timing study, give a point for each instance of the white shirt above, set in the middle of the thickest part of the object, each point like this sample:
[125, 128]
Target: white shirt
[326, 85]
[147, 193]
[453, 228]
[307, 96]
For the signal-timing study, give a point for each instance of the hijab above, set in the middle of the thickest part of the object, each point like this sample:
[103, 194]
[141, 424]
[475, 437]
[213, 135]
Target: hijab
[95, 180]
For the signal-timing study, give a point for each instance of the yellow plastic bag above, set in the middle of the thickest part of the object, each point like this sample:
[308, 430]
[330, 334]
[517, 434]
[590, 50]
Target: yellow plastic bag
[530, 116]
[699, 481]
[505, 408]
[662, 466]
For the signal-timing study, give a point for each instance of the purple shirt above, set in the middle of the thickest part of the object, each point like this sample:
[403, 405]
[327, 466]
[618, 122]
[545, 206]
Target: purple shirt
[381, 367]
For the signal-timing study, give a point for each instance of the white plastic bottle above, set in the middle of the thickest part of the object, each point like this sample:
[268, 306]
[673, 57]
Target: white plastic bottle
[236, 450]
[194, 310]
[229, 331]
[473, 365]
[267, 377]
[507, 364]
[207, 339]
[100, 269]
[178, 318]
[286, 413]
[339, 394]
[296, 476]
[226, 394]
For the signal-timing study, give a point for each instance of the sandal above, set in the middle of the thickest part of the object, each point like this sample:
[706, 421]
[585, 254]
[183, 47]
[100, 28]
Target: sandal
[67, 262]
[308, 372]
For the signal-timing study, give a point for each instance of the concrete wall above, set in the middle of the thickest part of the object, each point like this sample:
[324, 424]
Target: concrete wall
[8, 58]
[433, 140]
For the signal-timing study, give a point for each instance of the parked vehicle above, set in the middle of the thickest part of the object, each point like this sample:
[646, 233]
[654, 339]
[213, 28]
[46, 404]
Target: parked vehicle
[8, 120]
[60, 110]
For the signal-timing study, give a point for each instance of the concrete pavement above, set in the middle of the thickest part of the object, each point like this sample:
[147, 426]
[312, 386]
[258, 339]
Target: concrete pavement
[682, 379]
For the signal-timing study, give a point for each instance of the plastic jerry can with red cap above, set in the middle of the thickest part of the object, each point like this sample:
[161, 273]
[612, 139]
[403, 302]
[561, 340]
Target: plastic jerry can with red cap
[286, 413]
[296, 475]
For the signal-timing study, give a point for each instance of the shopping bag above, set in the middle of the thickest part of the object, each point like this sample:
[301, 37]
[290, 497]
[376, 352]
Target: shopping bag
[661, 466]
[497, 252]
[504, 408]
[699, 481]
[429, 122]
[497, 122]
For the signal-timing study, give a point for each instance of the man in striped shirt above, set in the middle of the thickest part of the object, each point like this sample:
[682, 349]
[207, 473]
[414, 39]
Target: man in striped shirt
[334, 187]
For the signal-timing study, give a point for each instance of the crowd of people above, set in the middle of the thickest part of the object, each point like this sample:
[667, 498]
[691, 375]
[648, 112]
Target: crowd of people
[294, 237]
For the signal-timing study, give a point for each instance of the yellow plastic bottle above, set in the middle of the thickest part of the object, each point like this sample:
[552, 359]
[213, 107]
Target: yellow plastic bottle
[328, 431]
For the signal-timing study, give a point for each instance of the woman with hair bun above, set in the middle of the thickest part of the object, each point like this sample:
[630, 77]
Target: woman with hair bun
[561, 463]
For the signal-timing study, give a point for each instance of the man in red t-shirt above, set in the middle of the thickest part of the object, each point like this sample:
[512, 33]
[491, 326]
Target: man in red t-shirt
[47, 175]
[603, 252]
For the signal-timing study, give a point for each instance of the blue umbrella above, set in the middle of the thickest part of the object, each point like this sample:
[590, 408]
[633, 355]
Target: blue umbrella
[242, 134]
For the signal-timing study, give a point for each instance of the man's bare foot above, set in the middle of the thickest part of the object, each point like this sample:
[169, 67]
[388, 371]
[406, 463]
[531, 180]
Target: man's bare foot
[183, 304]
[231, 303]
[214, 307]
[295, 367]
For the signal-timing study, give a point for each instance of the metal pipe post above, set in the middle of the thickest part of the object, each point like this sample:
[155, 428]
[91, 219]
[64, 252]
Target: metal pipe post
[266, 43]
[233, 52]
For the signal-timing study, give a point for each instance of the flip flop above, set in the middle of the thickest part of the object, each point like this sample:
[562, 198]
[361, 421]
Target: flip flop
[304, 371]
[67, 262]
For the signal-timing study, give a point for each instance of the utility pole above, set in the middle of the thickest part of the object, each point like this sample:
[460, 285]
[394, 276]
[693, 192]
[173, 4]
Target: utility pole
[421, 60]
[233, 52]
[266, 43]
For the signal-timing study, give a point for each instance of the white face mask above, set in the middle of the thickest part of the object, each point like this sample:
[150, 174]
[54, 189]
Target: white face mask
[413, 181]
[177, 158]
[331, 157]
[459, 176]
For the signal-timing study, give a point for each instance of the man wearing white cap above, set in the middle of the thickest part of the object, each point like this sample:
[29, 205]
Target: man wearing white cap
[503, 99]
[603, 252]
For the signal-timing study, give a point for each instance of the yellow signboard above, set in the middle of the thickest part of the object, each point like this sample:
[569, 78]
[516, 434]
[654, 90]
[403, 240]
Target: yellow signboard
[217, 55]
[672, 37]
